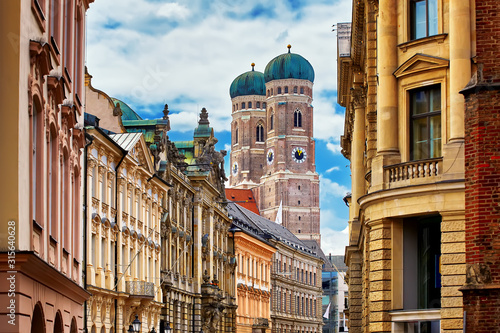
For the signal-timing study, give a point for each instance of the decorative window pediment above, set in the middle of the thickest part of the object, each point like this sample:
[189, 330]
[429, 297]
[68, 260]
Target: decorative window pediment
[419, 63]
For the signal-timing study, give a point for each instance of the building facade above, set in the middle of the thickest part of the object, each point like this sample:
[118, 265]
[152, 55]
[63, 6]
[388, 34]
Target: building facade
[335, 294]
[177, 190]
[41, 139]
[295, 275]
[400, 82]
[273, 150]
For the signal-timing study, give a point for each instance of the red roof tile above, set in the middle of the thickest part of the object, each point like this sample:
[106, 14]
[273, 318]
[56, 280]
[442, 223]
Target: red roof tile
[243, 198]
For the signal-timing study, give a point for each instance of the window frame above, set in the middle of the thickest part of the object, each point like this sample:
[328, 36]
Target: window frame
[259, 137]
[297, 119]
[412, 21]
[427, 115]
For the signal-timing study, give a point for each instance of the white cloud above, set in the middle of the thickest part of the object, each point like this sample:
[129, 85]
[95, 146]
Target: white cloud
[334, 147]
[333, 241]
[329, 188]
[190, 63]
[334, 168]
[173, 10]
[227, 147]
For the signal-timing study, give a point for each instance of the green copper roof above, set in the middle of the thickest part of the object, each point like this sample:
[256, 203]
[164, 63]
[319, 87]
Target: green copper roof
[249, 83]
[127, 112]
[289, 66]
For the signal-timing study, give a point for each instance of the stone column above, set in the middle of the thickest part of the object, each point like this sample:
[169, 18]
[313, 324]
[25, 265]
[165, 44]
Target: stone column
[387, 120]
[358, 148]
[460, 64]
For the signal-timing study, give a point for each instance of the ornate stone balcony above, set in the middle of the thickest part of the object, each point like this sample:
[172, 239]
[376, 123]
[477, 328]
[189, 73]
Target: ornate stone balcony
[140, 288]
[413, 173]
[260, 322]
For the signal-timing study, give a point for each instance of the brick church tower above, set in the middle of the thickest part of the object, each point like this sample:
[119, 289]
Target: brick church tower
[277, 158]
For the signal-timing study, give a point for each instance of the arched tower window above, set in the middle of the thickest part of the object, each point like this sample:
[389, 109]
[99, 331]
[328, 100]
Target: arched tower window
[286, 90]
[263, 105]
[271, 121]
[302, 90]
[257, 105]
[242, 105]
[260, 133]
[279, 90]
[236, 135]
[295, 89]
[249, 105]
[297, 118]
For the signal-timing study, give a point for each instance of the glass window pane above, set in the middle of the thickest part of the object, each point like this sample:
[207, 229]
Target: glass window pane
[435, 100]
[435, 139]
[419, 24]
[432, 11]
[419, 102]
[420, 139]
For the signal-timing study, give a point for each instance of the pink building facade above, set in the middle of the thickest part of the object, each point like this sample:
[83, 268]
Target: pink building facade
[42, 96]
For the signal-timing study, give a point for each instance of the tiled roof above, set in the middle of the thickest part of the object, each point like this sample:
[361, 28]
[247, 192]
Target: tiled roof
[244, 198]
[264, 228]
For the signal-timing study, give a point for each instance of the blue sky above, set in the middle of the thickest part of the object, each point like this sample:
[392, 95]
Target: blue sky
[187, 53]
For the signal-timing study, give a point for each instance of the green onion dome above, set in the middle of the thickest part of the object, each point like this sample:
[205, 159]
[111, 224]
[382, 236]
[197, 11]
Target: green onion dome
[289, 66]
[249, 83]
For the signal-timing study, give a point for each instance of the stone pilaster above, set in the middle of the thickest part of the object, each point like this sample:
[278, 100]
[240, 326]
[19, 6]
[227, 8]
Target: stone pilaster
[379, 275]
[452, 270]
[355, 288]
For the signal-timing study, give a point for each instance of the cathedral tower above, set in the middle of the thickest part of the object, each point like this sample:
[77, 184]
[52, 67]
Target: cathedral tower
[290, 177]
[272, 142]
[248, 128]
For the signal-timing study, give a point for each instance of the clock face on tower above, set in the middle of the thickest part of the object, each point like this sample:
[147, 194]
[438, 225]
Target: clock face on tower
[235, 168]
[299, 154]
[270, 156]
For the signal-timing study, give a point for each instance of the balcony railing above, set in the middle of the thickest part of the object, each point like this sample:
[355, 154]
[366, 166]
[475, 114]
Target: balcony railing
[140, 288]
[414, 172]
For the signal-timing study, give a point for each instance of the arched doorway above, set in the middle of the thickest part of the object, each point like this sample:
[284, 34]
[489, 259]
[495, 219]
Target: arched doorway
[58, 323]
[74, 326]
[38, 320]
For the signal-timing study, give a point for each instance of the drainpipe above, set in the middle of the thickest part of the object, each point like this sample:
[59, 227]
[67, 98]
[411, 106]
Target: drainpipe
[85, 154]
[116, 243]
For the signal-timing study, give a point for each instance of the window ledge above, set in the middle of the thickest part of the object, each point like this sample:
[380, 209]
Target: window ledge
[414, 315]
[421, 41]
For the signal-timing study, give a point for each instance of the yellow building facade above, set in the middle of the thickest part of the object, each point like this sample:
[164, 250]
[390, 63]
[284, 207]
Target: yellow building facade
[401, 65]
[127, 203]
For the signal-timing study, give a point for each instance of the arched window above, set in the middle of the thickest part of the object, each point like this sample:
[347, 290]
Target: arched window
[249, 105]
[263, 105]
[242, 105]
[279, 90]
[297, 118]
[260, 133]
[286, 90]
[295, 89]
[272, 91]
[267, 92]
[257, 105]
[271, 122]
[302, 90]
[236, 136]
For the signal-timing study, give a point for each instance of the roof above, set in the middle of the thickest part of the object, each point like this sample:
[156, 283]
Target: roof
[248, 83]
[289, 66]
[244, 198]
[338, 262]
[126, 140]
[264, 228]
[127, 112]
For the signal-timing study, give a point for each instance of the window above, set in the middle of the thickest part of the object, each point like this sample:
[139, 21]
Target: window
[249, 105]
[79, 39]
[286, 90]
[260, 133]
[263, 105]
[36, 158]
[279, 90]
[421, 263]
[297, 118]
[236, 136]
[425, 129]
[257, 105]
[55, 23]
[68, 37]
[302, 90]
[294, 90]
[271, 122]
[243, 105]
[424, 18]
